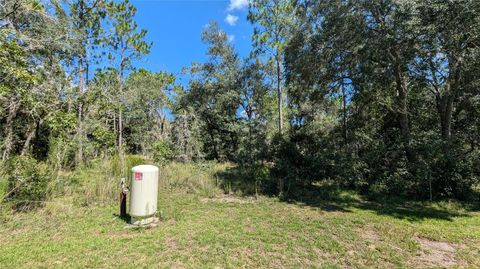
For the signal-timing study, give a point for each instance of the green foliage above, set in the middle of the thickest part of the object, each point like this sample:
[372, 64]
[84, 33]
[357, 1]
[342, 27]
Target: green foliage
[146, 106]
[103, 138]
[260, 179]
[396, 68]
[28, 182]
[130, 161]
[125, 39]
[379, 96]
[14, 61]
[4, 207]
[134, 160]
[162, 152]
[185, 137]
[273, 21]
[214, 96]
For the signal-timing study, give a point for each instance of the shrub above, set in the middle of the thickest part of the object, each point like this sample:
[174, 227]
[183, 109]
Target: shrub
[162, 152]
[260, 177]
[130, 161]
[27, 182]
[134, 160]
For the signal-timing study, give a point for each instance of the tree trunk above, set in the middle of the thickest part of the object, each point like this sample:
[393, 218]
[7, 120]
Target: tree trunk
[8, 143]
[445, 109]
[162, 125]
[344, 112]
[81, 12]
[402, 111]
[281, 182]
[79, 113]
[445, 106]
[280, 97]
[31, 133]
[445, 101]
[120, 142]
[186, 138]
[120, 130]
[120, 113]
[115, 129]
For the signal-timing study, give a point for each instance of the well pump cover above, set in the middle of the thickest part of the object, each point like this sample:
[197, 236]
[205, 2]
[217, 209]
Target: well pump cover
[144, 190]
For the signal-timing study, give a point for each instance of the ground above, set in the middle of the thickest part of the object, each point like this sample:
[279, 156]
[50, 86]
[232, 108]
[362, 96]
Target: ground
[226, 231]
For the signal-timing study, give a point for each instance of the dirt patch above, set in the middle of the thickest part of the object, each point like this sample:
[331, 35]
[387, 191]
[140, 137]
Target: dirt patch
[229, 199]
[171, 222]
[251, 229]
[276, 263]
[171, 243]
[435, 253]
[369, 234]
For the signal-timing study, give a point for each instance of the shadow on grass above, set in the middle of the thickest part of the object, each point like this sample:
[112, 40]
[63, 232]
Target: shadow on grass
[125, 218]
[413, 211]
[400, 208]
[329, 197]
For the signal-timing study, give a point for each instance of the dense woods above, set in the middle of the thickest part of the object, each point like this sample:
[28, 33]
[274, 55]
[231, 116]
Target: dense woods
[379, 96]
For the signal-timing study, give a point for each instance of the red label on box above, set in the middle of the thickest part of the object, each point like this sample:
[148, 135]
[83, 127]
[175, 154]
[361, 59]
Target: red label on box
[138, 176]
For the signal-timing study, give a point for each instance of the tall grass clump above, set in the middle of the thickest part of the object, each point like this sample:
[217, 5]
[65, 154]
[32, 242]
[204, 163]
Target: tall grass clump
[4, 209]
[196, 178]
[99, 181]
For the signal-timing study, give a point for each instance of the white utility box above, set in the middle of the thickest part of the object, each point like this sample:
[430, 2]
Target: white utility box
[143, 194]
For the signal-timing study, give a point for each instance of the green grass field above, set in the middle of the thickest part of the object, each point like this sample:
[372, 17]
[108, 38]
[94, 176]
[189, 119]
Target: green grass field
[203, 228]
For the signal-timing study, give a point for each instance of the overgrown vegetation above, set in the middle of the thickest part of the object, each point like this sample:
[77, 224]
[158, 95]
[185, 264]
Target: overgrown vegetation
[27, 182]
[349, 137]
[381, 97]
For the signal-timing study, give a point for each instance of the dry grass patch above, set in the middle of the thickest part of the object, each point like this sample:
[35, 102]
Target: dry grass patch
[229, 199]
[435, 253]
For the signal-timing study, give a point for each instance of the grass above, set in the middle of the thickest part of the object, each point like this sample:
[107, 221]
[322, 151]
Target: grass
[203, 228]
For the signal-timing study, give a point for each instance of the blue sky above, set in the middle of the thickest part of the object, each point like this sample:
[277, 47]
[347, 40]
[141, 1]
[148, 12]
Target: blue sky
[175, 28]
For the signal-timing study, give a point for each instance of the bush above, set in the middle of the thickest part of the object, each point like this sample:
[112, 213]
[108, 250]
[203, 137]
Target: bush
[257, 180]
[27, 182]
[162, 152]
[134, 160]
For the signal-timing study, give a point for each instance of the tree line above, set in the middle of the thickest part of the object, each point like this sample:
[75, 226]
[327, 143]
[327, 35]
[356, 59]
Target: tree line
[380, 96]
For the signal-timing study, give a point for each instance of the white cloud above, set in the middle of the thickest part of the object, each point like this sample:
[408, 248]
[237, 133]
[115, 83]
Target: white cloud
[237, 4]
[231, 19]
[231, 38]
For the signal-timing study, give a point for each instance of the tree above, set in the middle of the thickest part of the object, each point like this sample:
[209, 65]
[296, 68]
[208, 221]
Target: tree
[449, 43]
[257, 106]
[146, 104]
[389, 27]
[125, 43]
[17, 79]
[86, 18]
[272, 20]
[214, 95]
[185, 136]
[34, 42]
